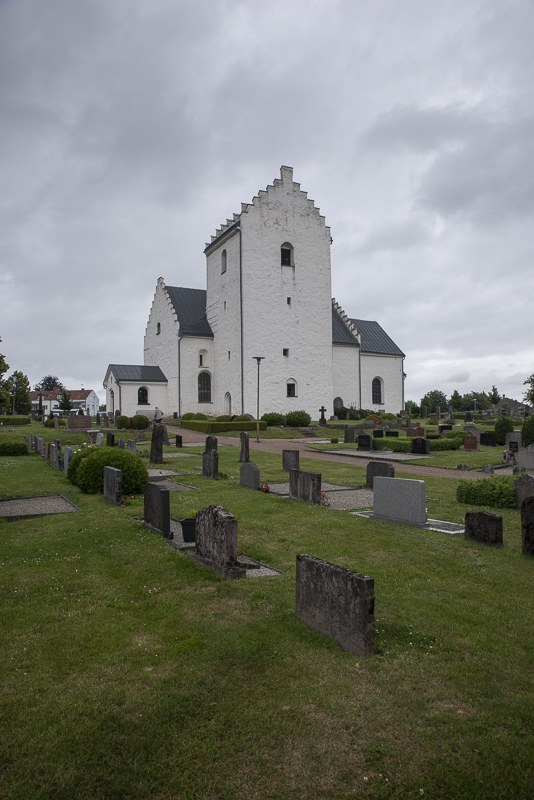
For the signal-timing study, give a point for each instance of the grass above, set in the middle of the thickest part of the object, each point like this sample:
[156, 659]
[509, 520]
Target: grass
[442, 459]
[129, 671]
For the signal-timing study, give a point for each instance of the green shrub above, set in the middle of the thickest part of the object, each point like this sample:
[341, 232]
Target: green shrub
[219, 427]
[389, 416]
[503, 426]
[298, 419]
[90, 473]
[273, 418]
[18, 420]
[455, 435]
[76, 460]
[140, 422]
[123, 422]
[13, 449]
[241, 418]
[188, 415]
[527, 434]
[334, 440]
[493, 492]
[224, 418]
[51, 424]
[405, 445]
[199, 415]
[447, 444]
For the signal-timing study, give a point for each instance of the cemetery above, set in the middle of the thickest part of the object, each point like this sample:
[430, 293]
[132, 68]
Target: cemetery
[345, 649]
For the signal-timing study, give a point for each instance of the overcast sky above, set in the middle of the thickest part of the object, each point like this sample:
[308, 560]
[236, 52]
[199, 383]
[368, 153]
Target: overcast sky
[131, 129]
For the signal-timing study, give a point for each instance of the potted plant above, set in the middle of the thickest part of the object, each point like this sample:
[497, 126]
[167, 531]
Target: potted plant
[188, 526]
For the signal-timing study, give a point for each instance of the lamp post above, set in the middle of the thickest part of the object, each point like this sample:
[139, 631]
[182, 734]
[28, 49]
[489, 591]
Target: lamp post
[259, 359]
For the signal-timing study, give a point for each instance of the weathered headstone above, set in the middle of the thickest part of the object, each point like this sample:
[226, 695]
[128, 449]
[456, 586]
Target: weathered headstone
[438, 412]
[120, 444]
[59, 455]
[249, 475]
[244, 453]
[488, 439]
[305, 486]
[100, 438]
[349, 435]
[210, 464]
[106, 421]
[211, 443]
[31, 440]
[112, 485]
[399, 500]
[420, 446]
[483, 527]
[131, 446]
[523, 488]
[290, 460]
[424, 412]
[52, 455]
[451, 412]
[513, 441]
[216, 542]
[156, 446]
[470, 444]
[525, 457]
[157, 508]
[337, 602]
[420, 432]
[178, 441]
[378, 469]
[365, 441]
[165, 434]
[110, 439]
[462, 466]
[66, 459]
[56, 422]
[468, 416]
[527, 527]
[489, 469]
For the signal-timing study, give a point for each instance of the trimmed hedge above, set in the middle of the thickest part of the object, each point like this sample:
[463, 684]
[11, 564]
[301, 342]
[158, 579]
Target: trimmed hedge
[298, 419]
[273, 418]
[90, 473]
[140, 422]
[405, 445]
[493, 492]
[51, 424]
[18, 420]
[218, 427]
[13, 449]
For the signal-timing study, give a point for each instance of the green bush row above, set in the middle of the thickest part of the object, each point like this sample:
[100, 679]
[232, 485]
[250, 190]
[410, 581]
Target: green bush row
[50, 423]
[405, 445]
[86, 469]
[493, 492]
[18, 420]
[13, 449]
[218, 427]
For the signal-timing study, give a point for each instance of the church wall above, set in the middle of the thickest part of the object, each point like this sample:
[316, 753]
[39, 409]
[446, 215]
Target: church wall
[157, 396]
[162, 349]
[191, 348]
[389, 369]
[346, 369]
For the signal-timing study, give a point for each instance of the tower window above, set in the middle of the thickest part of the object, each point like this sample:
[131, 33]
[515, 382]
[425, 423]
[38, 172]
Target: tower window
[158, 329]
[228, 355]
[287, 255]
[223, 261]
[291, 388]
[285, 351]
[200, 360]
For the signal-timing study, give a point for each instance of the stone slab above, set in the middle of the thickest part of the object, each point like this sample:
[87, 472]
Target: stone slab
[484, 528]
[290, 460]
[157, 508]
[249, 475]
[399, 500]
[14, 508]
[523, 488]
[378, 469]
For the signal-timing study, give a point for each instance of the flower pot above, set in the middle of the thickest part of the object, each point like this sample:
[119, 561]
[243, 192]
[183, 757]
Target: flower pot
[188, 529]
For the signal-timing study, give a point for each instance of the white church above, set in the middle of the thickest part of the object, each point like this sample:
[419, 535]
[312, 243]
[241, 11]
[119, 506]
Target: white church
[268, 295]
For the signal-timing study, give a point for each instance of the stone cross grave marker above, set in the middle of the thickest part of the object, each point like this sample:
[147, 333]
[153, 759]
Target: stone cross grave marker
[337, 602]
[157, 508]
[378, 469]
[399, 500]
[290, 460]
[216, 542]
[249, 475]
[349, 435]
[527, 527]
[244, 453]
[483, 527]
[322, 420]
[112, 485]
[305, 486]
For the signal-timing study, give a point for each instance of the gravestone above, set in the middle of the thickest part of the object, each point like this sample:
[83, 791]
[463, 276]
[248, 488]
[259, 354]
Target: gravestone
[489, 469]
[470, 444]
[337, 602]
[488, 439]
[527, 527]
[66, 459]
[305, 486]
[244, 453]
[508, 458]
[52, 455]
[178, 441]
[216, 542]
[392, 434]
[411, 433]
[100, 439]
[110, 440]
[348, 437]
[399, 500]
[120, 444]
[420, 432]
[468, 416]
[59, 456]
[525, 457]
[165, 435]
[377, 469]
[433, 419]
[513, 441]
[322, 420]
[157, 508]
[106, 422]
[211, 443]
[31, 440]
[47, 446]
[424, 412]
[112, 485]
[210, 464]
[79, 422]
[365, 441]
[438, 412]
[444, 428]
[483, 527]
[290, 460]
[56, 422]
[249, 475]
[378, 434]
[420, 446]
[156, 446]
[462, 466]
[451, 412]
[403, 412]
[523, 488]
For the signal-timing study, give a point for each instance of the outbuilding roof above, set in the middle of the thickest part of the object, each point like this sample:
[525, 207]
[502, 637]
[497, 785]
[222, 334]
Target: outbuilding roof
[190, 307]
[137, 373]
[375, 339]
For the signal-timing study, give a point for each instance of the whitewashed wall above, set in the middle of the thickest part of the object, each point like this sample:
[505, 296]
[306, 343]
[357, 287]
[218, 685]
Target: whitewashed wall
[162, 349]
[390, 370]
[157, 396]
[190, 350]
[346, 373]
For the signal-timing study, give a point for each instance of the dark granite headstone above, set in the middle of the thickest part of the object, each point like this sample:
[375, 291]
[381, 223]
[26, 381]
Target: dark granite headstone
[378, 434]
[290, 460]
[249, 475]
[337, 602]
[488, 439]
[444, 428]
[483, 527]
[244, 452]
[523, 488]
[157, 512]
[112, 485]
[210, 464]
[211, 443]
[513, 447]
[110, 439]
[349, 435]
[527, 526]
[66, 459]
[178, 441]
[365, 441]
[392, 434]
[424, 412]
[156, 446]
[378, 469]
[420, 446]
[59, 456]
[468, 416]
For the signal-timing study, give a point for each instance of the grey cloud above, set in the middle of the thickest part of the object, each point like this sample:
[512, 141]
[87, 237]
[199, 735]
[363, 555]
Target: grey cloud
[458, 377]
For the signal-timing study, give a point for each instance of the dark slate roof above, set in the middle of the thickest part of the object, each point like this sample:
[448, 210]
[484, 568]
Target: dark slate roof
[340, 333]
[190, 307]
[375, 339]
[137, 373]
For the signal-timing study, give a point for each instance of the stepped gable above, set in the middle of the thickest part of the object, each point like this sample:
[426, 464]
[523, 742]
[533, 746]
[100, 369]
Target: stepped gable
[344, 331]
[286, 176]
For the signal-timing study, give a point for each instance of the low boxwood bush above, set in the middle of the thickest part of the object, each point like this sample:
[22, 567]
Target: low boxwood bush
[527, 433]
[51, 424]
[90, 473]
[18, 420]
[140, 422]
[298, 419]
[123, 422]
[13, 449]
[273, 418]
[219, 427]
[503, 426]
[224, 418]
[241, 418]
[188, 415]
[76, 460]
[493, 492]
[405, 445]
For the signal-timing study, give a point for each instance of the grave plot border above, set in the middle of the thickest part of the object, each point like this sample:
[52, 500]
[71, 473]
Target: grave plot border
[440, 526]
[16, 517]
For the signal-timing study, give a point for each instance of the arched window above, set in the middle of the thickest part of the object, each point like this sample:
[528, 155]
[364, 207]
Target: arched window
[287, 258]
[291, 388]
[338, 403]
[377, 390]
[142, 396]
[228, 404]
[224, 259]
[158, 329]
[111, 400]
[204, 387]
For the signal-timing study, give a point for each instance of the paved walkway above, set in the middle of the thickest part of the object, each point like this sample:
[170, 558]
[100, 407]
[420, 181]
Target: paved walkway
[277, 445]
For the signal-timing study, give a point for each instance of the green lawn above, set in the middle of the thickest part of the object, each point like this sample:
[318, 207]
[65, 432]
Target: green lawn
[443, 459]
[128, 671]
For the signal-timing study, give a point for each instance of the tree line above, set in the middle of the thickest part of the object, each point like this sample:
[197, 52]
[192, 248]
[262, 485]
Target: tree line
[479, 401]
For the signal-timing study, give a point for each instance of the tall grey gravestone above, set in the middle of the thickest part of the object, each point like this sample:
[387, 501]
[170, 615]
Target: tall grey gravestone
[59, 455]
[52, 455]
[525, 457]
[210, 464]
[424, 412]
[527, 527]
[249, 475]
[131, 446]
[99, 439]
[112, 485]
[120, 444]
[378, 469]
[66, 459]
[244, 454]
[399, 500]
[290, 460]
[438, 412]
[349, 435]
[156, 447]
[523, 488]
[211, 443]
[216, 542]
[337, 602]
[305, 486]
[483, 527]
[157, 513]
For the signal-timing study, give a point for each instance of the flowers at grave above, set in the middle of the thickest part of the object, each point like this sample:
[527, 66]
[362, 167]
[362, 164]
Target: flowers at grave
[378, 420]
[264, 487]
